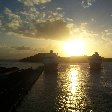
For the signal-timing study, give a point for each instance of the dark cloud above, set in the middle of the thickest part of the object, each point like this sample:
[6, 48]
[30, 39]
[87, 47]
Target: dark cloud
[50, 29]
[35, 24]
[23, 48]
[87, 3]
[33, 2]
[27, 49]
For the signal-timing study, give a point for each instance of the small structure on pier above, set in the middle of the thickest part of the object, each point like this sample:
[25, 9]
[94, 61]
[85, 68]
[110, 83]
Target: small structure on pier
[50, 62]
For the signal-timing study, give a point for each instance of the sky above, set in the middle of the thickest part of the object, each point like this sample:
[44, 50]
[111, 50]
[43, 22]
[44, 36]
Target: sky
[69, 27]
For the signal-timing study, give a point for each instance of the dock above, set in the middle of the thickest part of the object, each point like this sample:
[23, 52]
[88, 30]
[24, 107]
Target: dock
[15, 84]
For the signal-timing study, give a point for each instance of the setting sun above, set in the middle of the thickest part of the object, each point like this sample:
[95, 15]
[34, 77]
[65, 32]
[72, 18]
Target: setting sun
[74, 47]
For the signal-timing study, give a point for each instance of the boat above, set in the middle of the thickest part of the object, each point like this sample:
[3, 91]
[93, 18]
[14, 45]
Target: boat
[95, 61]
[50, 62]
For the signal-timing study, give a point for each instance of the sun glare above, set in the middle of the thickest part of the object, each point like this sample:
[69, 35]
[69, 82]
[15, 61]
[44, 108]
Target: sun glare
[74, 47]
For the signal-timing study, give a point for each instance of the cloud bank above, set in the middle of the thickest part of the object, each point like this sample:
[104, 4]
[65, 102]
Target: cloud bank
[43, 23]
[87, 3]
[23, 48]
[35, 23]
[33, 2]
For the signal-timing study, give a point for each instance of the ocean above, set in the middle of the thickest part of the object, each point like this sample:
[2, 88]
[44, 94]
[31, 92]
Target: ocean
[74, 88]
[20, 65]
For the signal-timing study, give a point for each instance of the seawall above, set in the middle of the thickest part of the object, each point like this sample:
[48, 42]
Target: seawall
[14, 86]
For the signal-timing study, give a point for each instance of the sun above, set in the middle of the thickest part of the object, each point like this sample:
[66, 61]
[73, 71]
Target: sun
[74, 47]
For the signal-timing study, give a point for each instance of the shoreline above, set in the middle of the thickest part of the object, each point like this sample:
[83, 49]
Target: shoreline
[15, 86]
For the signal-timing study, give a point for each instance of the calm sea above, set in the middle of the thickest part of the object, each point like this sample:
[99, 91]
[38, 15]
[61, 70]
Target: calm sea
[74, 88]
[20, 65]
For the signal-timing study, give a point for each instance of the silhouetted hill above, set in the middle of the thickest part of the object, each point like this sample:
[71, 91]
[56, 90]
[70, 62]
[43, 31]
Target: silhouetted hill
[36, 58]
[39, 58]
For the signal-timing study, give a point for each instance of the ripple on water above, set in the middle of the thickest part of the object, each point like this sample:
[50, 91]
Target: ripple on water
[73, 89]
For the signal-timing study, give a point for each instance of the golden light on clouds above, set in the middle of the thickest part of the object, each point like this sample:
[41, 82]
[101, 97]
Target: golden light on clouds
[74, 47]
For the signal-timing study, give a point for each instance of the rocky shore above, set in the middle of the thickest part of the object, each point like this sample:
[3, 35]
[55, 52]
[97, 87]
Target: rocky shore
[14, 85]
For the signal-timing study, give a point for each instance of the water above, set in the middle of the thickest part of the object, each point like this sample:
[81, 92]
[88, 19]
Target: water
[73, 89]
[20, 65]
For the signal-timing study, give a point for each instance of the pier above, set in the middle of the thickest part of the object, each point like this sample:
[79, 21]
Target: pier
[15, 84]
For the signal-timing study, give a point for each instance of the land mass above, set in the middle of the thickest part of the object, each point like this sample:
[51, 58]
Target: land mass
[39, 58]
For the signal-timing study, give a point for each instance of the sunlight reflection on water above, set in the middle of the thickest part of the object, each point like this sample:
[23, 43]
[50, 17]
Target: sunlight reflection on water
[73, 78]
[73, 95]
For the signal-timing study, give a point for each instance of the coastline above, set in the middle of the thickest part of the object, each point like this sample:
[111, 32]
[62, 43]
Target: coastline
[15, 86]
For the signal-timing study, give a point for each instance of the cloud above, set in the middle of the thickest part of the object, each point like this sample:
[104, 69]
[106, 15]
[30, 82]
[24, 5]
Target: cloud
[18, 52]
[33, 2]
[53, 29]
[4, 45]
[8, 52]
[36, 24]
[11, 21]
[26, 48]
[87, 3]
[23, 48]
[0, 23]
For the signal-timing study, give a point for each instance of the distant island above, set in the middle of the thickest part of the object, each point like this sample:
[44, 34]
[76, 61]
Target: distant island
[39, 58]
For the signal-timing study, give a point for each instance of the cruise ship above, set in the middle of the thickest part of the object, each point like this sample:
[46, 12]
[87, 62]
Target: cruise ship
[50, 62]
[95, 61]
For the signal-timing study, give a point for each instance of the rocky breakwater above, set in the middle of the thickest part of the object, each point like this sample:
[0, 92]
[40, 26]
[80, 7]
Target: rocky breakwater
[15, 84]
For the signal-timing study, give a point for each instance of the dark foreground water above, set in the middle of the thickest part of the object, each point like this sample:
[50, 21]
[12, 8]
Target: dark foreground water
[20, 65]
[73, 89]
